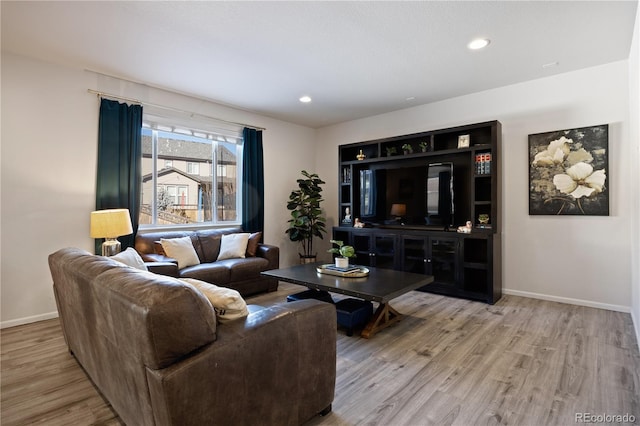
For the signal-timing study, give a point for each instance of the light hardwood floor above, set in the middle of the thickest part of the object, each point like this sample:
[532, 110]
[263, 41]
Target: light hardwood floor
[449, 361]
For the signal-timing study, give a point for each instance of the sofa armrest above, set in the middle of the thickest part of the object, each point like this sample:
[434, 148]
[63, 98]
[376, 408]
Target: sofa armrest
[271, 253]
[283, 355]
[154, 257]
[163, 268]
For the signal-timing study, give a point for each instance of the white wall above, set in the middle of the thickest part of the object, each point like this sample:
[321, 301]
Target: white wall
[48, 171]
[49, 132]
[634, 136]
[582, 260]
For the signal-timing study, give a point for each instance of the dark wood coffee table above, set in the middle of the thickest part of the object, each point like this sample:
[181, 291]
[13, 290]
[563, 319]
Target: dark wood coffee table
[381, 285]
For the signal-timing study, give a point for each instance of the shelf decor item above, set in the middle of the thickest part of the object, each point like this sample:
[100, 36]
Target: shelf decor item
[306, 220]
[463, 141]
[483, 218]
[424, 146]
[466, 229]
[391, 150]
[568, 172]
[361, 156]
[407, 149]
[347, 215]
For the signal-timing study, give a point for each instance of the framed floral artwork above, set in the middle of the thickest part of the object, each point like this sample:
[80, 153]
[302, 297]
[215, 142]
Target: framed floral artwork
[568, 172]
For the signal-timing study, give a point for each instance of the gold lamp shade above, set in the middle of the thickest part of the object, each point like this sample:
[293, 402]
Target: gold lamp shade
[110, 224]
[398, 210]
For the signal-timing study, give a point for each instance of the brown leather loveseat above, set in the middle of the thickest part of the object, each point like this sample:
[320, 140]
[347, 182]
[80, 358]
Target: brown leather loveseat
[241, 274]
[153, 347]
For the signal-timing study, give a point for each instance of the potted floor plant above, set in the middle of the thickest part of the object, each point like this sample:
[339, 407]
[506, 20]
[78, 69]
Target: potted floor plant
[306, 220]
[343, 252]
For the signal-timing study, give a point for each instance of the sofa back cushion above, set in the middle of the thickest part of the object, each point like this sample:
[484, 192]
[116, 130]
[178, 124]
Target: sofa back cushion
[156, 319]
[210, 242]
[146, 243]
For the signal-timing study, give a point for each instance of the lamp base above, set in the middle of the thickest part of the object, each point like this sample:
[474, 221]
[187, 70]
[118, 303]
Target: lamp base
[111, 247]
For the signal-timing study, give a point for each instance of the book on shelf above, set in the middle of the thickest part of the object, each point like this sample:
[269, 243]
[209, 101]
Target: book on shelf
[346, 175]
[483, 163]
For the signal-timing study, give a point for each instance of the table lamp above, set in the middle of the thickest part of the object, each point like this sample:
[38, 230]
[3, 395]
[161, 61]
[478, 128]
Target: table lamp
[110, 224]
[398, 210]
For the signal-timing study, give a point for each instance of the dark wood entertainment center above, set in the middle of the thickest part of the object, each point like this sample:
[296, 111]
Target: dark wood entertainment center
[423, 237]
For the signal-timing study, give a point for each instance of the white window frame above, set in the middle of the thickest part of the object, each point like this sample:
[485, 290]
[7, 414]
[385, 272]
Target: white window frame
[215, 134]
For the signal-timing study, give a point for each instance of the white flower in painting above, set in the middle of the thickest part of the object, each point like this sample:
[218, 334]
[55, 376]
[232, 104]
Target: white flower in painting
[580, 181]
[554, 154]
[579, 156]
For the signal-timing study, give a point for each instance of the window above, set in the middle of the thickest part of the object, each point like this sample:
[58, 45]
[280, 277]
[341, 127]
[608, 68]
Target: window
[173, 190]
[193, 168]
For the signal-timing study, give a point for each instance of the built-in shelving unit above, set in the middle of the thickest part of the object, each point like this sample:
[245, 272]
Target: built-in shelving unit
[463, 265]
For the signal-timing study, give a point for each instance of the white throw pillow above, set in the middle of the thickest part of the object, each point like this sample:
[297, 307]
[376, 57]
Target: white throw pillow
[130, 257]
[227, 302]
[234, 246]
[180, 249]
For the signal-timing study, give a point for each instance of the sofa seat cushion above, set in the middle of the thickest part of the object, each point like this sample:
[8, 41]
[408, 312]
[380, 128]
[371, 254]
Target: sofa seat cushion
[245, 269]
[215, 273]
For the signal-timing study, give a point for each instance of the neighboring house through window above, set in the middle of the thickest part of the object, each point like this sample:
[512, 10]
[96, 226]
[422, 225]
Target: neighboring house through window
[177, 184]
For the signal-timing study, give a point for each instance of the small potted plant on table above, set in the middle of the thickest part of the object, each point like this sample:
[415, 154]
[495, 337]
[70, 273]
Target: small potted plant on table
[343, 252]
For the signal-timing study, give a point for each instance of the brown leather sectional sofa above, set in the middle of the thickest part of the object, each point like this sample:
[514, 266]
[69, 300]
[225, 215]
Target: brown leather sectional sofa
[152, 345]
[239, 274]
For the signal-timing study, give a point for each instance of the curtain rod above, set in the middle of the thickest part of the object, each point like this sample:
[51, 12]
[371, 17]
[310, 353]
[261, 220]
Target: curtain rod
[136, 101]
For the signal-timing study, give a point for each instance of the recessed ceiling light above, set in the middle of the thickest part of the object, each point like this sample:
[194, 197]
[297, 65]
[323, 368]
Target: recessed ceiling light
[305, 99]
[551, 65]
[478, 43]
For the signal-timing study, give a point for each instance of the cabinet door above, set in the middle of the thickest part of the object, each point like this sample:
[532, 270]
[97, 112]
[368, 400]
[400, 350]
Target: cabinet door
[383, 251]
[443, 261]
[361, 243]
[415, 254]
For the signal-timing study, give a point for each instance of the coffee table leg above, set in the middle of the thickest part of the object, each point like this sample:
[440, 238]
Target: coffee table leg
[384, 316]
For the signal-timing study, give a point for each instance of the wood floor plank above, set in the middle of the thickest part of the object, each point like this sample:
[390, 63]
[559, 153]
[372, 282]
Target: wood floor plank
[448, 362]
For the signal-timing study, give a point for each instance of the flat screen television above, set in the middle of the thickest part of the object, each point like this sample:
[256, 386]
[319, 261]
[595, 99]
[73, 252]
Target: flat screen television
[425, 194]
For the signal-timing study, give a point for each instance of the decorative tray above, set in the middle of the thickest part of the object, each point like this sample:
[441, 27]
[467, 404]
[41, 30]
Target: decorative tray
[330, 269]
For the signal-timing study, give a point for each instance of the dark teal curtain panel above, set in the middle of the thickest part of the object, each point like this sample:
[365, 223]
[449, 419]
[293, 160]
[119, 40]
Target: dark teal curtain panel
[253, 181]
[119, 162]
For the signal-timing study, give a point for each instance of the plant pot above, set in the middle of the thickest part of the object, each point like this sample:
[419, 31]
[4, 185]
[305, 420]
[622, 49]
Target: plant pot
[307, 259]
[342, 262]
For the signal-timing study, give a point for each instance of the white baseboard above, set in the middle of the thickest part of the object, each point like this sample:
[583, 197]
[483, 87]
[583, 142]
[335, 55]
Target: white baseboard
[28, 320]
[570, 301]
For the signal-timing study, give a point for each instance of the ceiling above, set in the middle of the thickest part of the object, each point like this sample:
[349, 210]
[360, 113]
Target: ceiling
[355, 59]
